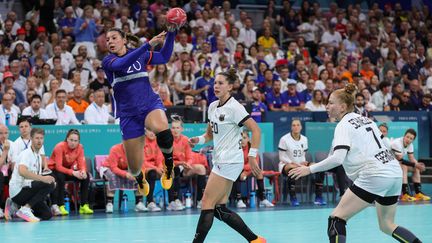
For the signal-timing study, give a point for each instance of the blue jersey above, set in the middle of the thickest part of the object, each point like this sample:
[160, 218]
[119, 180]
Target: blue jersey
[258, 108]
[276, 100]
[128, 76]
[209, 94]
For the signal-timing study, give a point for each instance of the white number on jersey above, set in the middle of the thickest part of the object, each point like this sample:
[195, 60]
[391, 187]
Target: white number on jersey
[136, 67]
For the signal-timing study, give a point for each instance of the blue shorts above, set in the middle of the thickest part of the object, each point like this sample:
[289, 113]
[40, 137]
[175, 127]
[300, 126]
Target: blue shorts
[134, 126]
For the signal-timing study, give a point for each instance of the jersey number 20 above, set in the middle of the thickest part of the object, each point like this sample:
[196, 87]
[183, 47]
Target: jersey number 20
[214, 127]
[136, 66]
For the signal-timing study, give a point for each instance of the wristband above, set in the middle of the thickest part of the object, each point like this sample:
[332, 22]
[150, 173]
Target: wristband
[253, 152]
[201, 140]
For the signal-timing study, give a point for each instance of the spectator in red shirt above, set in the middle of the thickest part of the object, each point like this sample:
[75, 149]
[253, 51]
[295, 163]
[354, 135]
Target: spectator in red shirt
[115, 169]
[247, 172]
[153, 162]
[68, 163]
[189, 163]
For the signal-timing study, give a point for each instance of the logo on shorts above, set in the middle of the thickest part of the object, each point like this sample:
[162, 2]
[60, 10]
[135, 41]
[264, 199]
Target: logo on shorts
[222, 117]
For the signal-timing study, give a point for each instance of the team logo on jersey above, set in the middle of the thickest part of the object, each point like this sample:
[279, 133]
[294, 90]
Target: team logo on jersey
[222, 117]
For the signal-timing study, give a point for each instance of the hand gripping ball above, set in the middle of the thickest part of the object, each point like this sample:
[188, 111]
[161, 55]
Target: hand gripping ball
[176, 16]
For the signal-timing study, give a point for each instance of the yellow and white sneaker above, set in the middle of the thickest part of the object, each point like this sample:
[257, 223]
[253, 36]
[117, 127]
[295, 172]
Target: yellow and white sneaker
[421, 197]
[166, 182]
[407, 198]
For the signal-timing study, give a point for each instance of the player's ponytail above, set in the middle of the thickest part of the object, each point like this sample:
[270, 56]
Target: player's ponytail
[230, 75]
[346, 95]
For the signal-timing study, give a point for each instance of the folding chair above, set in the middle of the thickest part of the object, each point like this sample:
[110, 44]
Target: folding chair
[93, 180]
[270, 167]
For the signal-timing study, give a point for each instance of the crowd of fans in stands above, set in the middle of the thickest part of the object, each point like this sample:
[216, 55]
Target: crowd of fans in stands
[50, 61]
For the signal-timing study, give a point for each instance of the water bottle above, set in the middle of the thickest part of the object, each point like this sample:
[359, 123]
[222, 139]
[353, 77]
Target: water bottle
[67, 203]
[252, 200]
[269, 195]
[125, 202]
[188, 200]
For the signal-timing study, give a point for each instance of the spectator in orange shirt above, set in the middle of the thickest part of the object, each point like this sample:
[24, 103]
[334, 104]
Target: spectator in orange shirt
[183, 158]
[78, 104]
[68, 163]
[247, 172]
[366, 70]
[352, 69]
[115, 169]
[153, 162]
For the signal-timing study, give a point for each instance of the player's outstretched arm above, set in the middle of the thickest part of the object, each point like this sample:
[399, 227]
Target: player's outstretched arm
[164, 55]
[330, 162]
[205, 138]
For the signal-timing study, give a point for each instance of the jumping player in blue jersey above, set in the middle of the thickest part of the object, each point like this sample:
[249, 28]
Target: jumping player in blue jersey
[134, 101]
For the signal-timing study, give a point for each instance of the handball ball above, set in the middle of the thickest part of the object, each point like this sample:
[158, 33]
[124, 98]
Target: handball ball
[176, 16]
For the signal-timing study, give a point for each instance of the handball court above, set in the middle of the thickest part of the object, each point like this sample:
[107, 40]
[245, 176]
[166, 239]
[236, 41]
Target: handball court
[281, 224]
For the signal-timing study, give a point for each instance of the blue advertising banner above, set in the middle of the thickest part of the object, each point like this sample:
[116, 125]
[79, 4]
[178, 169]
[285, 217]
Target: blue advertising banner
[98, 139]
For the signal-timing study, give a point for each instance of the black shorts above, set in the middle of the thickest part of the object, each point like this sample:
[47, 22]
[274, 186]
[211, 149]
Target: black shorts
[370, 197]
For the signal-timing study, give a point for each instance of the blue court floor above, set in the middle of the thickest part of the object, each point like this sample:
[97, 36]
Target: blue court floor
[282, 224]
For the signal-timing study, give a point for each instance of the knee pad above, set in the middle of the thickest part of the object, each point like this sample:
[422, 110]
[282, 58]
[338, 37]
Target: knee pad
[336, 227]
[165, 139]
[221, 212]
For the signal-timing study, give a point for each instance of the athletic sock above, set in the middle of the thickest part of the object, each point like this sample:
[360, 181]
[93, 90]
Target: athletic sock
[260, 191]
[234, 221]
[110, 199]
[205, 222]
[403, 235]
[138, 199]
[139, 178]
[417, 187]
[404, 188]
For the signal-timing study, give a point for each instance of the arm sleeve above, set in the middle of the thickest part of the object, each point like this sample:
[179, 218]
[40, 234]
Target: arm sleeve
[342, 138]
[410, 149]
[397, 148]
[330, 162]
[58, 155]
[240, 115]
[115, 63]
[165, 53]
[283, 152]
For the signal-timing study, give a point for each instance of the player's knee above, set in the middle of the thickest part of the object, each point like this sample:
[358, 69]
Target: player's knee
[135, 171]
[336, 227]
[165, 139]
[207, 202]
[200, 170]
[386, 226]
